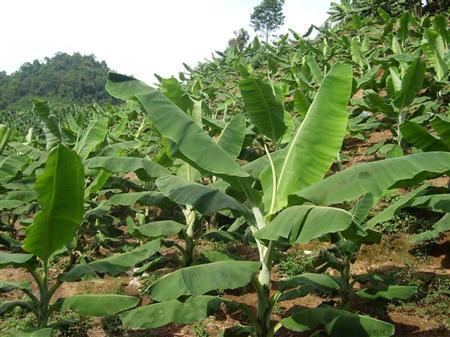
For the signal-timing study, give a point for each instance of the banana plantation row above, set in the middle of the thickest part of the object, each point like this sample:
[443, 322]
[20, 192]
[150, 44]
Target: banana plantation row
[247, 148]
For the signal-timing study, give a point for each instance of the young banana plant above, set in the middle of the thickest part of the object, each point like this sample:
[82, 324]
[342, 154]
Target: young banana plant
[60, 190]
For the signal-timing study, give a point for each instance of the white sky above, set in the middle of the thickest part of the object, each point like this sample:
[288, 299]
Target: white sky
[136, 37]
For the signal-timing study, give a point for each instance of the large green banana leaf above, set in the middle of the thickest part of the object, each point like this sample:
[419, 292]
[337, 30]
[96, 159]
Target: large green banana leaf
[390, 292]
[303, 223]
[191, 141]
[375, 178]
[198, 280]
[46, 332]
[6, 286]
[442, 126]
[11, 165]
[60, 189]
[434, 48]
[99, 304]
[205, 199]
[419, 137]
[94, 135]
[14, 259]
[115, 264]
[263, 107]
[130, 199]
[171, 88]
[232, 136]
[440, 227]
[160, 228]
[315, 144]
[337, 323]
[192, 310]
[411, 84]
[144, 167]
[389, 212]
[50, 123]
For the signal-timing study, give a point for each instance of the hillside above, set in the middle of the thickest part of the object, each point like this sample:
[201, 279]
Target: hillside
[62, 78]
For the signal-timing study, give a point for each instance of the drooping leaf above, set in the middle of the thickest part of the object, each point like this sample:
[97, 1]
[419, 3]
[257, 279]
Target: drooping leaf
[303, 223]
[8, 306]
[442, 126]
[238, 331]
[144, 168]
[46, 332]
[99, 304]
[60, 189]
[375, 177]
[156, 315]
[337, 323]
[377, 104]
[160, 228]
[389, 212]
[307, 283]
[320, 281]
[171, 88]
[356, 52]
[352, 325]
[200, 279]
[5, 132]
[14, 259]
[205, 199]
[419, 137]
[185, 133]
[390, 292]
[115, 264]
[440, 227]
[130, 199]
[363, 206]
[10, 166]
[6, 286]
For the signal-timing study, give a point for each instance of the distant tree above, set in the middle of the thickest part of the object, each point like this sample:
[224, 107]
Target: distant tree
[240, 40]
[267, 17]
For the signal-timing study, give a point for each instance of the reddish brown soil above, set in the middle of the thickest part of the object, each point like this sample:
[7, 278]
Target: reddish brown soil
[392, 254]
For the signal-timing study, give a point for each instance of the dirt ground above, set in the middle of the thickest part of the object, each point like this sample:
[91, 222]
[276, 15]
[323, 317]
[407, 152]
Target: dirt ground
[393, 254]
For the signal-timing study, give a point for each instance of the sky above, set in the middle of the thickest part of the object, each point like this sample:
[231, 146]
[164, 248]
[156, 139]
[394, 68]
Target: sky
[135, 37]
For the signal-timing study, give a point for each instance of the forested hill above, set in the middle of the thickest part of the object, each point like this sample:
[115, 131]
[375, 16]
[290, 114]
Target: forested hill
[62, 78]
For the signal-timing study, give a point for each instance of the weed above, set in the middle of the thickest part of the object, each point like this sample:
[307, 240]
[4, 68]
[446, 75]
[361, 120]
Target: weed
[294, 263]
[199, 330]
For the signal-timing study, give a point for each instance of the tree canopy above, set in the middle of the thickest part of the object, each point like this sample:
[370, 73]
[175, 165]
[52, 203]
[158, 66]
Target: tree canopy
[267, 17]
[62, 78]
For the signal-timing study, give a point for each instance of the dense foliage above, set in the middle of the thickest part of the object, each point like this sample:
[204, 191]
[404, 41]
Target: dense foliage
[324, 142]
[267, 17]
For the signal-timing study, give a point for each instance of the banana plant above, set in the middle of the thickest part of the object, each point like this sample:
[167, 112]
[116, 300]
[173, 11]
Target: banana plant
[281, 186]
[60, 192]
[342, 254]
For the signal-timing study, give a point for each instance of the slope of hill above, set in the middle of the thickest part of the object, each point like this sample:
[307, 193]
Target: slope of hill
[62, 78]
